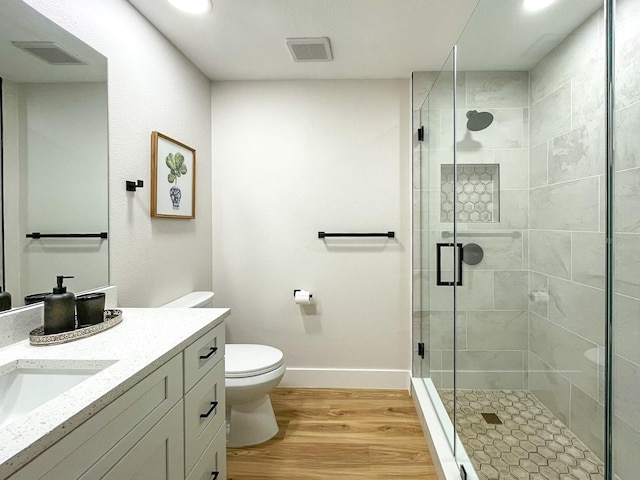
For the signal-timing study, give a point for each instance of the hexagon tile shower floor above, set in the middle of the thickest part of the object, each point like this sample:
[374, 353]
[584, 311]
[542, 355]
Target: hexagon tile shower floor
[530, 443]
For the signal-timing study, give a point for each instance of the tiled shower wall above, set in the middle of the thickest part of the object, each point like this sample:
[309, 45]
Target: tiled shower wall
[626, 376]
[567, 166]
[492, 322]
[567, 160]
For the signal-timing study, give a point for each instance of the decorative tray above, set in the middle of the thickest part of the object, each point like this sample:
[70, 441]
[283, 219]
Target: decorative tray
[111, 319]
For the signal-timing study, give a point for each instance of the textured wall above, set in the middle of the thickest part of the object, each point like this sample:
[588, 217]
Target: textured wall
[294, 158]
[152, 86]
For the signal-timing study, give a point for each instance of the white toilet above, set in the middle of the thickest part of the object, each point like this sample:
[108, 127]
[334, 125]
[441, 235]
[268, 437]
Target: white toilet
[251, 373]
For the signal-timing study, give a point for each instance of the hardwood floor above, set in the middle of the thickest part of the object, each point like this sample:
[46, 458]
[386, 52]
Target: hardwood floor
[337, 433]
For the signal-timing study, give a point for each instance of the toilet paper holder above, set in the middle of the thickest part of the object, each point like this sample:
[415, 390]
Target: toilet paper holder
[298, 290]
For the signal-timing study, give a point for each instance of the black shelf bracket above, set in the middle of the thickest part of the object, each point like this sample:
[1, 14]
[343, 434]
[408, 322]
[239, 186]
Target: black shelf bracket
[132, 186]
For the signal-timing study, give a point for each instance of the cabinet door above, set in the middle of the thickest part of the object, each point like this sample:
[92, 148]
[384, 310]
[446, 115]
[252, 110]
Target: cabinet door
[159, 455]
[213, 462]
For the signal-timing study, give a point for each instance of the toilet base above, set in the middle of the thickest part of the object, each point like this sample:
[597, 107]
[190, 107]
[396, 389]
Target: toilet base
[250, 423]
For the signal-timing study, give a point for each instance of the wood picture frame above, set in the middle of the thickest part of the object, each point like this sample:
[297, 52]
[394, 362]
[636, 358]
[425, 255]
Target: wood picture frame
[173, 178]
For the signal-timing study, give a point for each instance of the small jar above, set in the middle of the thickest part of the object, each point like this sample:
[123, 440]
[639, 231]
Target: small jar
[90, 309]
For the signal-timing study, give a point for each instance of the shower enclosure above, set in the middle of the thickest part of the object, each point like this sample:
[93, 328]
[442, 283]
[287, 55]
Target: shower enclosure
[526, 234]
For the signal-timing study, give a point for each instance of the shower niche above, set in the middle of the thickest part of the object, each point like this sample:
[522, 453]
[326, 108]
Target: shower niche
[476, 193]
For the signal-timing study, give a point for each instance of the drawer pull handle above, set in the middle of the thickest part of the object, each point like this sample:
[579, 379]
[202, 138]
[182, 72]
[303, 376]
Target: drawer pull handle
[211, 352]
[213, 407]
[215, 475]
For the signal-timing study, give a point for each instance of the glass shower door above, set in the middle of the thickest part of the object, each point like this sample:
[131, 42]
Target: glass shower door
[519, 173]
[625, 212]
[530, 195]
[436, 253]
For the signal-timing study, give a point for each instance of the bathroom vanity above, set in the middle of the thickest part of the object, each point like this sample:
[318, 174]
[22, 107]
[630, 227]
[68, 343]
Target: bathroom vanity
[150, 402]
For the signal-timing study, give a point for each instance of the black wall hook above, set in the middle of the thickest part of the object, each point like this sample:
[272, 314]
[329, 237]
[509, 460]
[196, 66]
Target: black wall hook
[131, 186]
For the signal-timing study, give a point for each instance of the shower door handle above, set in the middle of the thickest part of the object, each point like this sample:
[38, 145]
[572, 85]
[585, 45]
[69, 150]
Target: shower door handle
[458, 260]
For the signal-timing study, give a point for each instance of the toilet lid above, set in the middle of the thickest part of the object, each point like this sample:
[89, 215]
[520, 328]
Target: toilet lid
[247, 360]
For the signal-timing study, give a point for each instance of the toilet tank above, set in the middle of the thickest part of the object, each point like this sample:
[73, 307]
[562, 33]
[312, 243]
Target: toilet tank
[192, 300]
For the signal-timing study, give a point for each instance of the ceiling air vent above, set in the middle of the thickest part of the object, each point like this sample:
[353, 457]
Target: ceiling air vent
[50, 52]
[310, 49]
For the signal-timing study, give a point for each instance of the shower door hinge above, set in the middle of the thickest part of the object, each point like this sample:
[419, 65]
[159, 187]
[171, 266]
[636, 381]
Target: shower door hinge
[421, 134]
[421, 349]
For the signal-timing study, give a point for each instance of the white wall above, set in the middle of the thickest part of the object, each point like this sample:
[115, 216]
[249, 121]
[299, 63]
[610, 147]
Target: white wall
[152, 86]
[291, 158]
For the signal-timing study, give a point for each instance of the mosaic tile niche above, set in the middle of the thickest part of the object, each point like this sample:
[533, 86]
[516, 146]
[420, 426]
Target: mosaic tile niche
[477, 192]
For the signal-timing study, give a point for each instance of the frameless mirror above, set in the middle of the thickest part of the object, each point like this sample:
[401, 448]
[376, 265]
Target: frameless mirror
[54, 156]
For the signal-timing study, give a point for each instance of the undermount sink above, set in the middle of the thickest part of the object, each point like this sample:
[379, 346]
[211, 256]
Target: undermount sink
[27, 384]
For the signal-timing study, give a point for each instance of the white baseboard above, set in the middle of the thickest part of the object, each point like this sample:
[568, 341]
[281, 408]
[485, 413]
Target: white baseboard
[346, 378]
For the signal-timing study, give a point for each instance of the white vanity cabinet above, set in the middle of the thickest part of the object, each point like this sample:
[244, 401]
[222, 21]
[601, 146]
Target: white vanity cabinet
[170, 425]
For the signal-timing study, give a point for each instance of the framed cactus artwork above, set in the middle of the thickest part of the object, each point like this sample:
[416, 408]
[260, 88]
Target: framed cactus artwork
[173, 178]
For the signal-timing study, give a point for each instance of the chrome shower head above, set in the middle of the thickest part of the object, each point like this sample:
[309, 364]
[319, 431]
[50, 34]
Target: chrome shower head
[478, 120]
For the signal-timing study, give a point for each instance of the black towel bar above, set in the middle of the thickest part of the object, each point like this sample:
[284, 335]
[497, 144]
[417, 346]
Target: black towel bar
[37, 235]
[387, 234]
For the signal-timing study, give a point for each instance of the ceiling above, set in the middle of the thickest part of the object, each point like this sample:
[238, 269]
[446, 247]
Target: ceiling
[503, 36]
[245, 39]
[21, 23]
[370, 39]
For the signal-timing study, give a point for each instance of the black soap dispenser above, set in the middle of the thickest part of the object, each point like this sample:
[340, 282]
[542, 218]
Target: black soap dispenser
[59, 310]
[5, 300]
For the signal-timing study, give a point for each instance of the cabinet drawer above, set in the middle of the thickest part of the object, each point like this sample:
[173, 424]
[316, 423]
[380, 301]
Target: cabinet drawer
[115, 428]
[213, 460]
[204, 414]
[202, 355]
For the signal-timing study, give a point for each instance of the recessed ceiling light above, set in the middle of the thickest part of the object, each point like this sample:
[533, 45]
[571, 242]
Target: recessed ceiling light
[534, 5]
[192, 6]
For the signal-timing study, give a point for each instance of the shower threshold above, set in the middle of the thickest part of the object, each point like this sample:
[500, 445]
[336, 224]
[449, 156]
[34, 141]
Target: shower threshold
[527, 441]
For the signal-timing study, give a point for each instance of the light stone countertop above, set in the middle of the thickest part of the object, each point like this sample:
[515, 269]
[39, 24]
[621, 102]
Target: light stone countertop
[145, 340]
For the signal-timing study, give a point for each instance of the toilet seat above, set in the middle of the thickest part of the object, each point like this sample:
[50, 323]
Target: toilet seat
[249, 360]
